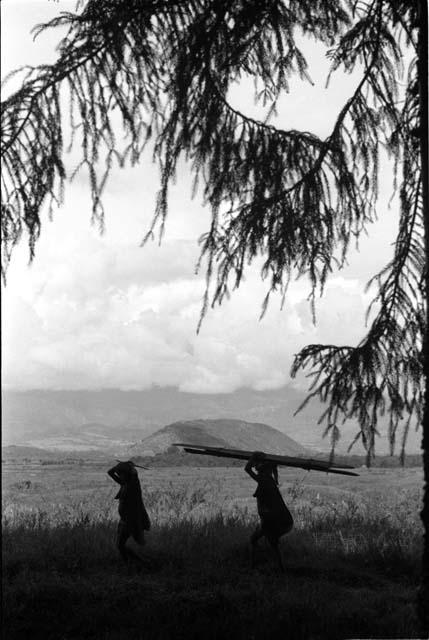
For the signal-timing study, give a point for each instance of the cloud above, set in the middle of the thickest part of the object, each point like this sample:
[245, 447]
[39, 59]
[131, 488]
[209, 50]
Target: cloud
[97, 311]
[112, 323]
[100, 311]
[340, 313]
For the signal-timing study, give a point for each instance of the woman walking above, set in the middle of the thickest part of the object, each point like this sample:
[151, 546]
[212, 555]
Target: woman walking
[134, 520]
[275, 517]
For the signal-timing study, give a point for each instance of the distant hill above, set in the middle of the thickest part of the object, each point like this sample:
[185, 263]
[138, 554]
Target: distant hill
[22, 453]
[61, 419]
[237, 434]
[111, 418]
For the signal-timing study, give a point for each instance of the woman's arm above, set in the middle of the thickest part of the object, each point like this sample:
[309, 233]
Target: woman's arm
[114, 475]
[276, 474]
[248, 469]
[254, 459]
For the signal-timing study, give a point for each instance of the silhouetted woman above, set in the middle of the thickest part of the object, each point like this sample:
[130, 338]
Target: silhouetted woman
[276, 519]
[134, 518]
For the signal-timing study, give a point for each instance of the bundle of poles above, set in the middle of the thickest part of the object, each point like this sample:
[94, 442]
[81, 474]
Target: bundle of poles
[310, 464]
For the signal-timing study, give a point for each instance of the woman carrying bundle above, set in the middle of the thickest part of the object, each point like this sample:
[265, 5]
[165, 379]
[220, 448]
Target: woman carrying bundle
[134, 520]
[276, 519]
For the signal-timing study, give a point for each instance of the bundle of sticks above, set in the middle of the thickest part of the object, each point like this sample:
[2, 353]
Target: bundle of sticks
[310, 464]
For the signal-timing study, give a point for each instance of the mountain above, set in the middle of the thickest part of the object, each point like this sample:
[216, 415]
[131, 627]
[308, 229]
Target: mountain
[237, 434]
[109, 417]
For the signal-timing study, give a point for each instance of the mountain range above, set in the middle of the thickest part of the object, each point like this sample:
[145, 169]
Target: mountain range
[112, 418]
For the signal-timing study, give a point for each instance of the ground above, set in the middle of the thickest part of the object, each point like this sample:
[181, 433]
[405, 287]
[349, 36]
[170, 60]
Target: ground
[352, 559]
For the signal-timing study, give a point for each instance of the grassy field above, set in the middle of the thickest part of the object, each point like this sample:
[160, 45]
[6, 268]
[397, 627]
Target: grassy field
[352, 559]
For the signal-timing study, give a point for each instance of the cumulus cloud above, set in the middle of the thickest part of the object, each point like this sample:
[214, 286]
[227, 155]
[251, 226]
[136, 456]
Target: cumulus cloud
[114, 323]
[97, 311]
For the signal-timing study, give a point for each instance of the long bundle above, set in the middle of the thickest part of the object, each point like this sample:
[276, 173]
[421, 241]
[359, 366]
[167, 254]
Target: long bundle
[287, 461]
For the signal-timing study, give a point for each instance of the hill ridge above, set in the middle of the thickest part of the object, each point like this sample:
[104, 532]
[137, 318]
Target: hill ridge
[219, 432]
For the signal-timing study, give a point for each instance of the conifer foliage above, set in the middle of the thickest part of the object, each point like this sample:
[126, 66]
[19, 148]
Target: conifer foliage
[162, 70]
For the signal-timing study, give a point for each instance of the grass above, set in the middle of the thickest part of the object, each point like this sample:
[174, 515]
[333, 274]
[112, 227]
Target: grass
[352, 564]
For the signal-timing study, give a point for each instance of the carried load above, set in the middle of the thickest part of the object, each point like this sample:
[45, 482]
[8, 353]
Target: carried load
[310, 464]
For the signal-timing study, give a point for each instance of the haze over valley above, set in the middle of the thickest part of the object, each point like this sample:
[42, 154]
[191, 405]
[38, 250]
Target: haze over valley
[115, 420]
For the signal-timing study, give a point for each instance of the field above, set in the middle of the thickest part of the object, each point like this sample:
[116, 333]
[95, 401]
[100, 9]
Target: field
[352, 559]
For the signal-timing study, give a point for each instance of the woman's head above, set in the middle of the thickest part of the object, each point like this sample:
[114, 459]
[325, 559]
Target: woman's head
[126, 469]
[264, 467]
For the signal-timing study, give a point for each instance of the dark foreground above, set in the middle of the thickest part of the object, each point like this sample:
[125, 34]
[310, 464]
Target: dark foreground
[352, 561]
[65, 582]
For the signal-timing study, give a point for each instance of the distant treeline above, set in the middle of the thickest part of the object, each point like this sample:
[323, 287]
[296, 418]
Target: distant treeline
[50, 461]
[175, 458]
[391, 462]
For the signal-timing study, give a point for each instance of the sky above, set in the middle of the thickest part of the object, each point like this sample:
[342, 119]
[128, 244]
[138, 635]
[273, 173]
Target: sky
[98, 311]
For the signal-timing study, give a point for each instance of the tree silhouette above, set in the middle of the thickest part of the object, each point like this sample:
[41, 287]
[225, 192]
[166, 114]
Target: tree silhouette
[163, 68]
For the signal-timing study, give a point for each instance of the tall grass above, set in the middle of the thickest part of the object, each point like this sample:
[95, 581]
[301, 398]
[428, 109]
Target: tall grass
[352, 569]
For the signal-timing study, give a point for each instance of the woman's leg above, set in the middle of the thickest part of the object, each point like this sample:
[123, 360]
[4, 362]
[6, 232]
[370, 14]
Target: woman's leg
[122, 536]
[274, 543]
[256, 535]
